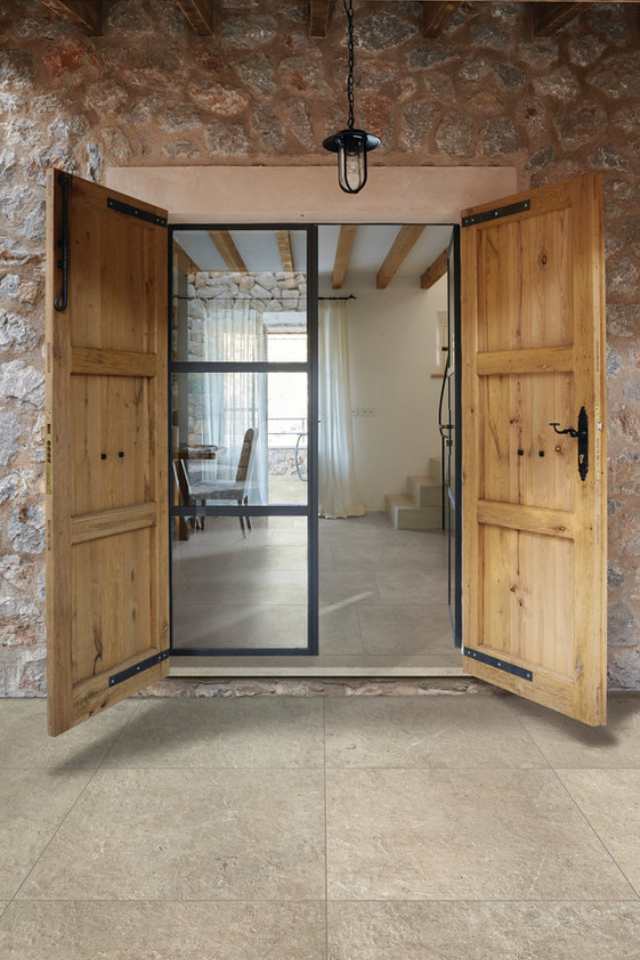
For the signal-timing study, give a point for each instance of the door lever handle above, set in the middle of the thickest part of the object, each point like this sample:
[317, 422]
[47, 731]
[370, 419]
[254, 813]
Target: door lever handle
[582, 436]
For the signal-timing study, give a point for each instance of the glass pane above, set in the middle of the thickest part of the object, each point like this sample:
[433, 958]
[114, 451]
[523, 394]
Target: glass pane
[235, 589]
[240, 438]
[232, 290]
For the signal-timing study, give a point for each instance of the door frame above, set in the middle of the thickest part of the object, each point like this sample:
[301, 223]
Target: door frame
[310, 509]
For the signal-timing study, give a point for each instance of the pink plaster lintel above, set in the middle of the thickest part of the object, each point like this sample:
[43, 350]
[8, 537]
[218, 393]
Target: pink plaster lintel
[246, 194]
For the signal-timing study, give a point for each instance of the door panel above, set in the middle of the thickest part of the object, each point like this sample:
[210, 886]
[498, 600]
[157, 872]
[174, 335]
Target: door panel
[534, 541]
[107, 543]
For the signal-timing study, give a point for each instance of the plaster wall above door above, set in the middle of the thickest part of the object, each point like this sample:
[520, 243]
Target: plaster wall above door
[310, 194]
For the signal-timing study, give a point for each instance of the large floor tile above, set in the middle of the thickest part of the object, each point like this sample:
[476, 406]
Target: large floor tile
[405, 629]
[24, 741]
[32, 804]
[610, 799]
[189, 835]
[429, 731]
[240, 625]
[484, 931]
[567, 743]
[477, 834]
[162, 931]
[242, 732]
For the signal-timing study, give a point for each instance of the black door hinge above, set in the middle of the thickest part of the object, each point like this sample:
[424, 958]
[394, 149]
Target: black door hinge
[496, 214]
[136, 212]
[137, 668]
[499, 664]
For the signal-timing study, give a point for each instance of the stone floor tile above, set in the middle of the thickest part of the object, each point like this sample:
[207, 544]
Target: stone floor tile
[610, 799]
[241, 732]
[567, 743]
[454, 834]
[402, 630]
[189, 835]
[24, 741]
[483, 931]
[162, 931]
[32, 805]
[431, 731]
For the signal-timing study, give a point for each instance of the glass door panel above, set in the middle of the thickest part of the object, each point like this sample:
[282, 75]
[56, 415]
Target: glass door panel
[452, 442]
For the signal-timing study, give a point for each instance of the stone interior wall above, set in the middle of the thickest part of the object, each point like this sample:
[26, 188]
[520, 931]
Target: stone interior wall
[260, 91]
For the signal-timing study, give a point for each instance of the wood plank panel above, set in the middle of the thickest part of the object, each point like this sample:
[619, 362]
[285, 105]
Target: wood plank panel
[227, 249]
[534, 532]
[435, 270]
[403, 244]
[114, 363]
[344, 248]
[108, 523]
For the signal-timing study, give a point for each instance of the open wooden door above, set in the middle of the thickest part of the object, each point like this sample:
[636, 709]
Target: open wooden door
[107, 491]
[534, 495]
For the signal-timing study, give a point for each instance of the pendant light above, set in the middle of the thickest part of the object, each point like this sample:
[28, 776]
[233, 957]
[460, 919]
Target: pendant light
[352, 144]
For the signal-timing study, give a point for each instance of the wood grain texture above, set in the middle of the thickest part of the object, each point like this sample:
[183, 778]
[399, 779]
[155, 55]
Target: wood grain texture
[107, 550]
[84, 13]
[285, 250]
[224, 243]
[435, 270]
[199, 15]
[344, 248]
[404, 242]
[534, 534]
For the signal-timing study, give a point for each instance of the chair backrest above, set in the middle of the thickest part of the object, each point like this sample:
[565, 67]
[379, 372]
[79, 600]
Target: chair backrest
[180, 475]
[246, 456]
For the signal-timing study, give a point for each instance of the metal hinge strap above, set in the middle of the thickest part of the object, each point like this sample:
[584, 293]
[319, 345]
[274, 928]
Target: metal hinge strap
[496, 213]
[498, 664]
[136, 212]
[138, 668]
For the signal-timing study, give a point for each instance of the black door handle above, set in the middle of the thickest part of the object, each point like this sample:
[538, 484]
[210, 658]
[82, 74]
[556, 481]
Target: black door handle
[581, 434]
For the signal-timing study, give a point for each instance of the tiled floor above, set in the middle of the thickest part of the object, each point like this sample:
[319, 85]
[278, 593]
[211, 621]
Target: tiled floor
[383, 594]
[440, 827]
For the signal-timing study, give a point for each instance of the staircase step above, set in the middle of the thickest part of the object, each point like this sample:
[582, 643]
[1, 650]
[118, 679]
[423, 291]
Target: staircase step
[426, 491]
[435, 469]
[405, 514]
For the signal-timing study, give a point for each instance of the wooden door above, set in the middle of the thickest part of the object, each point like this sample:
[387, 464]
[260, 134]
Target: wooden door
[534, 501]
[107, 490]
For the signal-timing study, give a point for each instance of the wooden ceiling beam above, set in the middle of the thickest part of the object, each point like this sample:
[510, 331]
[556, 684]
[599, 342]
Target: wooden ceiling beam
[436, 15]
[84, 13]
[346, 239]
[285, 249]
[319, 17]
[224, 244]
[435, 270]
[546, 18]
[400, 248]
[199, 15]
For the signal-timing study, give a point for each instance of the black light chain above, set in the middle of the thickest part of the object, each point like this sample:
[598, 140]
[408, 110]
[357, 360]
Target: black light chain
[348, 9]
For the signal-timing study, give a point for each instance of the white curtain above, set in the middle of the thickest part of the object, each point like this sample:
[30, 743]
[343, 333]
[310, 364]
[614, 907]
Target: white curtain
[234, 332]
[338, 493]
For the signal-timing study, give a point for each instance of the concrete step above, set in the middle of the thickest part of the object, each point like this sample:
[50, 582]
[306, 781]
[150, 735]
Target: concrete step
[434, 469]
[405, 514]
[426, 491]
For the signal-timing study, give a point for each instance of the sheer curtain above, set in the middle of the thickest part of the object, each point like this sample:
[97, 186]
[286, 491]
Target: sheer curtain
[338, 493]
[234, 332]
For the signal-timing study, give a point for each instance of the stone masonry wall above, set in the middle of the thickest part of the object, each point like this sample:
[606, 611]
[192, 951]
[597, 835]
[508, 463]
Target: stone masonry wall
[150, 91]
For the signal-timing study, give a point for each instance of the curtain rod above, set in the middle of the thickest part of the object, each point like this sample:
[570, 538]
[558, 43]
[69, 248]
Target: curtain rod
[250, 300]
[350, 297]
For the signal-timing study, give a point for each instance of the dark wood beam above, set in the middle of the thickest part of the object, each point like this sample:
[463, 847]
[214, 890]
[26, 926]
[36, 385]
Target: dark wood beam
[319, 16]
[436, 15]
[435, 270]
[401, 247]
[548, 17]
[84, 13]
[199, 15]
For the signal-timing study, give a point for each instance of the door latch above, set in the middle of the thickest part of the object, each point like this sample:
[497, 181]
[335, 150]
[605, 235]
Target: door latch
[582, 436]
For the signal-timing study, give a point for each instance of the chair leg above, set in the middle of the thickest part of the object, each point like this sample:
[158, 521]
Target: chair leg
[246, 501]
[241, 519]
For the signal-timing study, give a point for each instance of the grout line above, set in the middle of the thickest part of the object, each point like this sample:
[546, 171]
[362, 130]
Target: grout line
[326, 855]
[633, 900]
[586, 820]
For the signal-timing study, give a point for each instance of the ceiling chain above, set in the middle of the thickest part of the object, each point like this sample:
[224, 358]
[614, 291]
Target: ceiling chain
[348, 9]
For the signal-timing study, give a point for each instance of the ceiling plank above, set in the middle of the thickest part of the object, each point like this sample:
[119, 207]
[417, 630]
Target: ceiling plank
[547, 18]
[223, 242]
[285, 249]
[84, 13]
[199, 15]
[400, 248]
[435, 270]
[436, 15]
[319, 16]
[346, 239]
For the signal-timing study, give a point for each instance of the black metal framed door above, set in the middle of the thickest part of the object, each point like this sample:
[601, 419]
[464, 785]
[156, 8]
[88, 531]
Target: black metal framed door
[450, 429]
[211, 375]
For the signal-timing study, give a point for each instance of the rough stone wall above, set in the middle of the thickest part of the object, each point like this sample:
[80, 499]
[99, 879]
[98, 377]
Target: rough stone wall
[150, 91]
